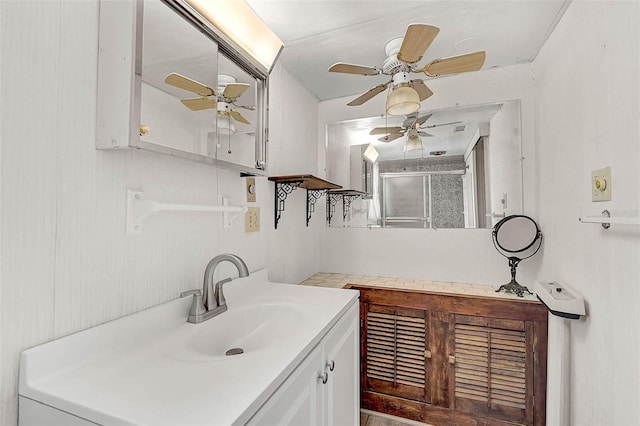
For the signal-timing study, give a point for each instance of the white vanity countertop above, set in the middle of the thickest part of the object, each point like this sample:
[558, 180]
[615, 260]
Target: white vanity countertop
[136, 370]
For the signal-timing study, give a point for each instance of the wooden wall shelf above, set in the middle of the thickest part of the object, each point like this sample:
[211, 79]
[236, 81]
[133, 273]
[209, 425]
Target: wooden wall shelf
[315, 187]
[347, 195]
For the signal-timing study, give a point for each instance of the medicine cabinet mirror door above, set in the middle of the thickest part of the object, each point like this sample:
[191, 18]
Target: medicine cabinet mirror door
[465, 172]
[174, 97]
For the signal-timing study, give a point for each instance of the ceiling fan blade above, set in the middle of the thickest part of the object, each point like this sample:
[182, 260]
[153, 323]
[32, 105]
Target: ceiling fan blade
[186, 83]
[385, 130]
[416, 41]
[414, 118]
[391, 137]
[235, 90]
[456, 64]
[442, 124]
[247, 107]
[238, 117]
[369, 94]
[421, 120]
[354, 69]
[423, 91]
[198, 104]
[425, 134]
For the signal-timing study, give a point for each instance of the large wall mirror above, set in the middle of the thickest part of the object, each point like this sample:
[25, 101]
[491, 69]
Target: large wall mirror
[192, 95]
[450, 168]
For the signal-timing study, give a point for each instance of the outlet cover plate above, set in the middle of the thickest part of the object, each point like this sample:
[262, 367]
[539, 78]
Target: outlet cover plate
[252, 219]
[601, 185]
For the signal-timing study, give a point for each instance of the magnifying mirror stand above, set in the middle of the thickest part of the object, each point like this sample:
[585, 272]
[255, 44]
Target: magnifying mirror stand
[513, 286]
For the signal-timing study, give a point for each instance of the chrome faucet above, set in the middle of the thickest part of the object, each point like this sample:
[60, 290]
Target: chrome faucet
[210, 301]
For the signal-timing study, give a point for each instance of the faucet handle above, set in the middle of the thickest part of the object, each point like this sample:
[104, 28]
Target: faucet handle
[219, 294]
[197, 292]
[197, 307]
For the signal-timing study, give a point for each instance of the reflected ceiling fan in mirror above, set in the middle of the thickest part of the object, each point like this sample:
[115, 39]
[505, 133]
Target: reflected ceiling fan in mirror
[228, 92]
[411, 127]
[403, 54]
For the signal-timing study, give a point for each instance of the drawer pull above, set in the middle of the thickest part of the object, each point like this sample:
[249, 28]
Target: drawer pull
[331, 364]
[324, 377]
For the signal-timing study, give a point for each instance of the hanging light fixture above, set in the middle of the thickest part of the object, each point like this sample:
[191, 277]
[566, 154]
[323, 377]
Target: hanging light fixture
[413, 141]
[371, 154]
[403, 100]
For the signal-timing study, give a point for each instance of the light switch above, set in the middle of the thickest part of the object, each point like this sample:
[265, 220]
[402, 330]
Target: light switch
[601, 184]
[251, 189]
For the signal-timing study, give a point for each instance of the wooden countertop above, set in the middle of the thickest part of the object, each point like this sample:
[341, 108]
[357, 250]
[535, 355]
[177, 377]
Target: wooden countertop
[324, 279]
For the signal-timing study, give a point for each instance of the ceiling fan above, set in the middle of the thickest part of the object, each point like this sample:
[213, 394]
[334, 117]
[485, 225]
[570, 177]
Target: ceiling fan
[228, 92]
[403, 54]
[410, 126]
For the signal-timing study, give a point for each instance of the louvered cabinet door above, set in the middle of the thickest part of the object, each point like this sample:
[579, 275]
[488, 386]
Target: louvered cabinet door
[493, 367]
[393, 352]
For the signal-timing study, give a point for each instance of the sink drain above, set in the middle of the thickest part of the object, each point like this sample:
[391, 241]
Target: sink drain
[234, 351]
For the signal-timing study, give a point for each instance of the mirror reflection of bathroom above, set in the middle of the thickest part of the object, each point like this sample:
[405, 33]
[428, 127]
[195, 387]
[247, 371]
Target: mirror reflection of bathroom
[462, 170]
[189, 113]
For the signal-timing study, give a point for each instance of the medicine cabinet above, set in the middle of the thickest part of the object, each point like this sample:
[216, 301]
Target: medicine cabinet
[163, 71]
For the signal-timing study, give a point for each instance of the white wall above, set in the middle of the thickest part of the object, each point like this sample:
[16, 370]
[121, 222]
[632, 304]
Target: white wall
[427, 253]
[588, 117]
[66, 262]
[293, 247]
[503, 146]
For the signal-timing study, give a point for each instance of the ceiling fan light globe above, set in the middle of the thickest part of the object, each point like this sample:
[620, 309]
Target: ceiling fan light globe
[403, 100]
[413, 143]
[224, 122]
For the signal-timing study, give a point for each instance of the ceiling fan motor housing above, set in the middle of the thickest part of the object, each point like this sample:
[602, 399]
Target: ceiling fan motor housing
[223, 107]
[391, 65]
[400, 78]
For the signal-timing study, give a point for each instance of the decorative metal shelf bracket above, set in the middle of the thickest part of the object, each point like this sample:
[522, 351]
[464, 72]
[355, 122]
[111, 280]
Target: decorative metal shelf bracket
[283, 189]
[347, 195]
[347, 199]
[313, 195]
[332, 201]
[315, 187]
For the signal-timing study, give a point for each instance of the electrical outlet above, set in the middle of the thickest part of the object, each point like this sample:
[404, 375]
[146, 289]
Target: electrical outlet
[601, 184]
[252, 219]
[251, 190]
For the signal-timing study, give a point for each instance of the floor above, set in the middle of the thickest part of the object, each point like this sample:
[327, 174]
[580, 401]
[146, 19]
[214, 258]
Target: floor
[369, 418]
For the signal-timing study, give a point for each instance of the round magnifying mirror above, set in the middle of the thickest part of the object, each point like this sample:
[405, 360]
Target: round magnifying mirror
[515, 234]
[516, 237]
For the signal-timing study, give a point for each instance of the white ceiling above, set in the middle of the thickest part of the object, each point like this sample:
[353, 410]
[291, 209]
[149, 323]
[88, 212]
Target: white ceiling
[318, 33]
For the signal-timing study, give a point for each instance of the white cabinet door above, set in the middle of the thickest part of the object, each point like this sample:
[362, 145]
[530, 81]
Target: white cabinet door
[298, 402]
[342, 360]
[323, 390]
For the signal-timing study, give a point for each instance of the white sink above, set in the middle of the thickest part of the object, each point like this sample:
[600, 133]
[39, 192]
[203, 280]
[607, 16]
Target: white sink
[252, 328]
[155, 368]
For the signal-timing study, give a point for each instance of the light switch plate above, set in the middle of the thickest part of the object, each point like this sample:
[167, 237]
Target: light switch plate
[601, 184]
[252, 219]
[251, 189]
